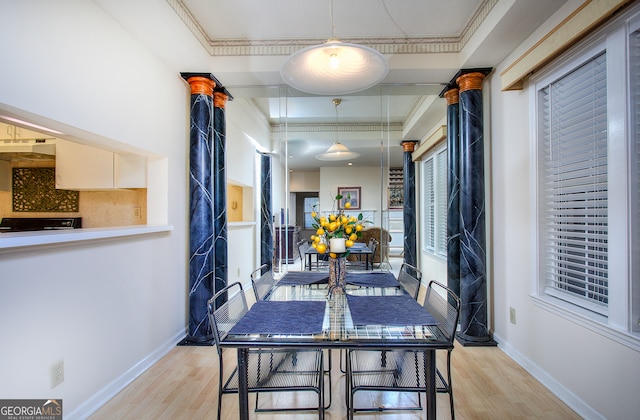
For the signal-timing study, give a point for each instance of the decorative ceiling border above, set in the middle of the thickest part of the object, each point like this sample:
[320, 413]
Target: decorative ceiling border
[269, 47]
[342, 128]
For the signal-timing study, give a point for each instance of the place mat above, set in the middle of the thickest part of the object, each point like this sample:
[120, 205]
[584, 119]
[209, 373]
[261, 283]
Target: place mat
[372, 279]
[397, 310]
[282, 317]
[294, 278]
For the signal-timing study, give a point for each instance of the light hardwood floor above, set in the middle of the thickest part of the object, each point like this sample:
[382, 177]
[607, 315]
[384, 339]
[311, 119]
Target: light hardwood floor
[183, 385]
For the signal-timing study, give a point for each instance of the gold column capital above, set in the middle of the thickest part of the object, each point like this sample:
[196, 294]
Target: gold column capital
[452, 96]
[409, 146]
[470, 81]
[220, 99]
[201, 85]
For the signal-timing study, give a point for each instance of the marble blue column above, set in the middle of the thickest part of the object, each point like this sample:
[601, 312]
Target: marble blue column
[473, 275]
[453, 189]
[219, 195]
[201, 257]
[409, 210]
[266, 218]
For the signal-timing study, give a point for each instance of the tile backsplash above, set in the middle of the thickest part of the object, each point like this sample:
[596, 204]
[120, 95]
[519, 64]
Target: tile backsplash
[97, 208]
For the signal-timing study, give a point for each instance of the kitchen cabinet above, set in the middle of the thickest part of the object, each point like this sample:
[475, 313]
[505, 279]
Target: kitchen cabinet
[11, 132]
[5, 175]
[83, 167]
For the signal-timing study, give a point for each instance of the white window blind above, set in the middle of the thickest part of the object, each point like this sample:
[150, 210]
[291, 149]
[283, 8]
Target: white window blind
[572, 124]
[442, 202]
[429, 205]
[634, 78]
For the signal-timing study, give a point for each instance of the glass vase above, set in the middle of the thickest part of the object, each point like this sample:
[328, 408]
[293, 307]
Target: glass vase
[337, 275]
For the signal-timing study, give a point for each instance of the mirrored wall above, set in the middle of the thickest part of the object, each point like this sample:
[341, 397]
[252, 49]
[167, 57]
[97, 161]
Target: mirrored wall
[373, 124]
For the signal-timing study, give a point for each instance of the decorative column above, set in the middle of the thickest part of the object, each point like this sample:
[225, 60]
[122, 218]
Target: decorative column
[266, 219]
[409, 210]
[219, 195]
[453, 189]
[201, 257]
[473, 276]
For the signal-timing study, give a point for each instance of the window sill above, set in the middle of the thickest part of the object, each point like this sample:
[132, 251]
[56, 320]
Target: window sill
[589, 320]
[23, 241]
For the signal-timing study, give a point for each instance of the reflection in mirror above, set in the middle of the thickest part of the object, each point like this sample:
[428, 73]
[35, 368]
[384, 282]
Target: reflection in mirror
[372, 123]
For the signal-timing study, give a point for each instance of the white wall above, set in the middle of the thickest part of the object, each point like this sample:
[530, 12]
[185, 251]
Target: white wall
[367, 178]
[246, 128]
[108, 308]
[594, 374]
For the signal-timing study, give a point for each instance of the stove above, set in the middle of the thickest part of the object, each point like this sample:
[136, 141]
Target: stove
[24, 224]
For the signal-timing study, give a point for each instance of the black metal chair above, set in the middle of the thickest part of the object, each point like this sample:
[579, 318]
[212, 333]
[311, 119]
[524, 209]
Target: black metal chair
[404, 370]
[409, 278]
[262, 282]
[269, 370]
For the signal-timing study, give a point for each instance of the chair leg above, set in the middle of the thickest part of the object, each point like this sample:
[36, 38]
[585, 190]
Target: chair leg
[328, 371]
[220, 385]
[450, 385]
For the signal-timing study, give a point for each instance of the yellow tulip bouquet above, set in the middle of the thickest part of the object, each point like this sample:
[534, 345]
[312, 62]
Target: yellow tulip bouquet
[336, 225]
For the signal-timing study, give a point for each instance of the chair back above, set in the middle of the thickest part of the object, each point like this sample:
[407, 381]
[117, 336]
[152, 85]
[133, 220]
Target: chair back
[373, 246]
[303, 246]
[223, 318]
[262, 281]
[409, 278]
[444, 305]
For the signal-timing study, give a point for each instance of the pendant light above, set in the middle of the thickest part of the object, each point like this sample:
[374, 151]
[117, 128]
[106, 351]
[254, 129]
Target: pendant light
[335, 67]
[337, 151]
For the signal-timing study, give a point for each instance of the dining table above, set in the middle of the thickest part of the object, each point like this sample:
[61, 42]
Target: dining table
[373, 312]
[358, 249]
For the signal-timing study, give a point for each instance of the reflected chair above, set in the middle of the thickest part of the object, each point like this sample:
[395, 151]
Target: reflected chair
[373, 246]
[409, 278]
[303, 246]
[269, 370]
[262, 282]
[405, 370]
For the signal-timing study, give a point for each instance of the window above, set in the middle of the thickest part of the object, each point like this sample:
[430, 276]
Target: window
[572, 135]
[310, 203]
[588, 180]
[434, 182]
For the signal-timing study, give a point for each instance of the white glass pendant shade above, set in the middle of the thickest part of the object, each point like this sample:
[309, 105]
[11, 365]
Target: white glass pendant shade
[334, 68]
[337, 151]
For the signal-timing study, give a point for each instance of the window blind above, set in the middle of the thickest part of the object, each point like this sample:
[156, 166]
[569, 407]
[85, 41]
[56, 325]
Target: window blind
[634, 78]
[442, 202]
[429, 205]
[572, 123]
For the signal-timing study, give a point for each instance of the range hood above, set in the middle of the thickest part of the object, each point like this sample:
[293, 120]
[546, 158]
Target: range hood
[44, 148]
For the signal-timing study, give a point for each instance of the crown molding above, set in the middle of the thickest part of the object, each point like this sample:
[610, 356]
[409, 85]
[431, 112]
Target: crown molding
[279, 47]
[332, 128]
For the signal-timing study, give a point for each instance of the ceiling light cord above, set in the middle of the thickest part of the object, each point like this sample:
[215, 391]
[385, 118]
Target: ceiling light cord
[384, 5]
[333, 25]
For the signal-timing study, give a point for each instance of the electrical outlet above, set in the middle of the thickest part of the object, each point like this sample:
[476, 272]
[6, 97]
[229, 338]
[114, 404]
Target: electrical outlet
[136, 212]
[57, 373]
[512, 315]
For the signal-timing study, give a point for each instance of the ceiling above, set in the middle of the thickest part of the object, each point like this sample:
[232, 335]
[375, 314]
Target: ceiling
[426, 43]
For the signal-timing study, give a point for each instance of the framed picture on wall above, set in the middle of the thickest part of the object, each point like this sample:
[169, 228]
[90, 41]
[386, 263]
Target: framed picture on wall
[351, 195]
[396, 197]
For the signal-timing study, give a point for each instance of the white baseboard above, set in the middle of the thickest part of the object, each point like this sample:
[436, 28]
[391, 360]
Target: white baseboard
[101, 397]
[565, 395]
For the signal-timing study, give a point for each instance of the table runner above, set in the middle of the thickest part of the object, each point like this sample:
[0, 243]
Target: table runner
[294, 278]
[282, 317]
[372, 279]
[397, 310]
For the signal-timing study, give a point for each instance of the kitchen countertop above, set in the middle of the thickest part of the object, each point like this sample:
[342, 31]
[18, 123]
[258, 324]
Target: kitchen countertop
[18, 241]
